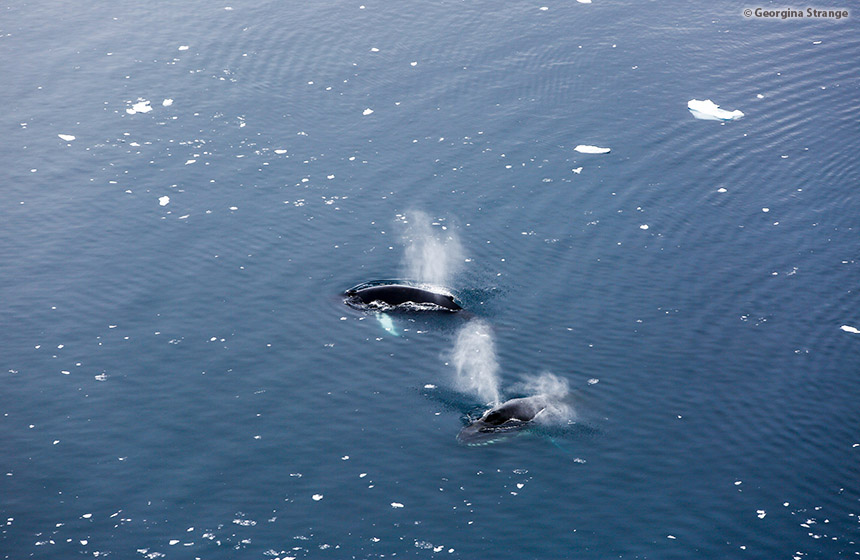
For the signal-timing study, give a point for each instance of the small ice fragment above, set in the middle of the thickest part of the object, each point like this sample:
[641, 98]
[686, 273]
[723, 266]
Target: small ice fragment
[183, 47]
[738, 483]
[367, 111]
[84, 542]
[66, 137]
[586, 149]
[585, 2]
[280, 151]
[577, 170]
[721, 189]
[848, 328]
[643, 226]
[345, 458]
[761, 513]
[163, 200]
[765, 210]
[816, 42]
[190, 161]
[707, 110]
[429, 386]
[544, 8]
[670, 536]
[374, 49]
[87, 515]
[759, 96]
[413, 63]
[317, 497]
[396, 505]
[593, 381]
[141, 106]
[167, 102]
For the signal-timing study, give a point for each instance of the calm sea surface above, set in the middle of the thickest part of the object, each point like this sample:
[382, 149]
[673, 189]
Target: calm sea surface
[181, 378]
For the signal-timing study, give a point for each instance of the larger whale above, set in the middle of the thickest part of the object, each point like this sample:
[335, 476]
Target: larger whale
[398, 294]
[510, 416]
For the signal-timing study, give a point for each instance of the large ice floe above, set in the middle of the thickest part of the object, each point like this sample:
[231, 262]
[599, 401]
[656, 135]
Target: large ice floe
[707, 110]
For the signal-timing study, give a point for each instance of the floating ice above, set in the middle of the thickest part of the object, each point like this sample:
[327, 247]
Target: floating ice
[761, 513]
[167, 102]
[586, 149]
[396, 505]
[280, 151]
[183, 47]
[585, 2]
[66, 137]
[707, 110]
[317, 497]
[848, 328]
[367, 111]
[142, 106]
[163, 200]
[577, 170]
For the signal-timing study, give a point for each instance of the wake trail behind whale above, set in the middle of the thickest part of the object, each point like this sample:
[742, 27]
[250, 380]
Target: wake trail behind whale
[432, 255]
[475, 363]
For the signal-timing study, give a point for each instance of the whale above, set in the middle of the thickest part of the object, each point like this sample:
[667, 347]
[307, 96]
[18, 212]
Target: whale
[502, 420]
[401, 293]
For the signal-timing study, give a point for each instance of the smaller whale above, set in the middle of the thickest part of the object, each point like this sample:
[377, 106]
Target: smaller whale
[398, 294]
[510, 416]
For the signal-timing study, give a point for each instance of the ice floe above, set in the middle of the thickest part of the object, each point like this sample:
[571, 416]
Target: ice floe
[849, 328]
[163, 200]
[167, 102]
[707, 110]
[586, 149]
[66, 137]
[142, 106]
[367, 111]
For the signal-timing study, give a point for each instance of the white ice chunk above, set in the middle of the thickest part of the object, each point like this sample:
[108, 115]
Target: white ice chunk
[317, 497]
[280, 151]
[163, 200]
[66, 137]
[586, 149]
[577, 170]
[167, 102]
[396, 505]
[584, 2]
[141, 106]
[183, 47]
[367, 111]
[707, 110]
[848, 328]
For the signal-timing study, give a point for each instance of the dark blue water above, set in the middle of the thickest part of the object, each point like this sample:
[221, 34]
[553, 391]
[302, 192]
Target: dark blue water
[180, 376]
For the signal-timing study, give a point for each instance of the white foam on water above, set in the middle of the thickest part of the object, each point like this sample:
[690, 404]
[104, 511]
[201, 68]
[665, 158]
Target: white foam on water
[707, 110]
[66, 137]
[586, 149]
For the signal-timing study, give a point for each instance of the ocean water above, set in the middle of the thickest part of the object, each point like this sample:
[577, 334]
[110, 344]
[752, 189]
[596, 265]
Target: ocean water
[182, 379]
